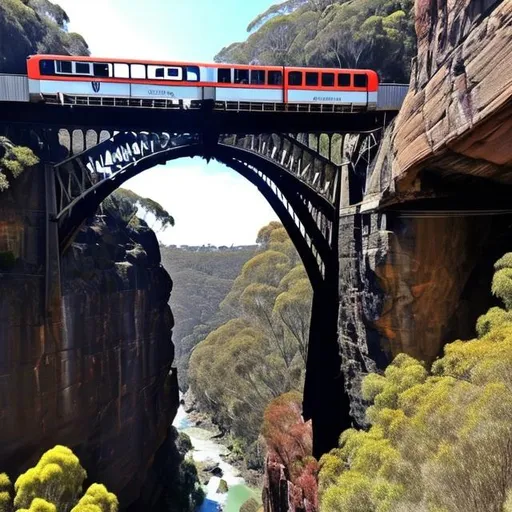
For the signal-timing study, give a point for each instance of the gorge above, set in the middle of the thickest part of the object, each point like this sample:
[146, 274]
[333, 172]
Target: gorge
[88, 360]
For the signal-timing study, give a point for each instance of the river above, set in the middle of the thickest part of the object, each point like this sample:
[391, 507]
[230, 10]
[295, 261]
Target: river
[206, 449]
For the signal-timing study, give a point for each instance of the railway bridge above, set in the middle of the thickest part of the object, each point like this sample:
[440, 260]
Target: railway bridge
[307, 164]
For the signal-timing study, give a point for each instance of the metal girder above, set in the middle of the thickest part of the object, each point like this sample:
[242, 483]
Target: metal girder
[305, 183]
[193, 120]
[308, 166]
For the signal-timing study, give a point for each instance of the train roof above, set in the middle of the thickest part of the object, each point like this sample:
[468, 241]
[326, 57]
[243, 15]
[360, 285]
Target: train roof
[187, 63]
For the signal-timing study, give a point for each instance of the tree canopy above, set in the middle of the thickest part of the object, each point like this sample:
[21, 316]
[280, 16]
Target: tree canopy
[34, 26]
[54, 484]
[133, 207]
[259, 353]
[374, 34]
[439, 440]
[202, 278]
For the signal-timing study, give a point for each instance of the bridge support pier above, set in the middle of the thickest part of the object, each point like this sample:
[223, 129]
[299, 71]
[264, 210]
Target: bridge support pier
[52, 292]
[325, 399]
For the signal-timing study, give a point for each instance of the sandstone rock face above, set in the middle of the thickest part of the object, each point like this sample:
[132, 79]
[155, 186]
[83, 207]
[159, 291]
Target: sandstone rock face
[457, 117]
[414, 275]
[96, 379]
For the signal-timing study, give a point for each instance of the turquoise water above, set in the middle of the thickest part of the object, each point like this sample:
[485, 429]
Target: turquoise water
[206, 449]
[238, 495]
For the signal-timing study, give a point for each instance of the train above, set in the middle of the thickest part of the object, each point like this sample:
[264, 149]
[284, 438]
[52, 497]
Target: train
[80, 79]
[94, 81]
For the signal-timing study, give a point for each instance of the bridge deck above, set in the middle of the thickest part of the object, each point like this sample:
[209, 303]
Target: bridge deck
[190, 121]
[162, 114]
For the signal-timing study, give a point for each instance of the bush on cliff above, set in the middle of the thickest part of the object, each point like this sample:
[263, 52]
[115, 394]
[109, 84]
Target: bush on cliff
[13, 161]
[132, 207]
[54, 484]
[289, 441]
[439, 440]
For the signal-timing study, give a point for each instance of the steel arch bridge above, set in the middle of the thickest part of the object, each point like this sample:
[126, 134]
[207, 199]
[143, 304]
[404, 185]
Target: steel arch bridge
[306, 165]
[299, 174]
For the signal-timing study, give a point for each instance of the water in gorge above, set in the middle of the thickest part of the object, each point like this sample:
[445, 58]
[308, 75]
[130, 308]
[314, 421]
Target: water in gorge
[206, 449]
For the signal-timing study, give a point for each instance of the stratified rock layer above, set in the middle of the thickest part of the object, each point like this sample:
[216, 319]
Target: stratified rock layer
[457, 117]
[415, 261]
[96, 379]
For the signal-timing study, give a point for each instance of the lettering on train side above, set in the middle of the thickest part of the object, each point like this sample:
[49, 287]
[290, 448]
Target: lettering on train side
[158, 92]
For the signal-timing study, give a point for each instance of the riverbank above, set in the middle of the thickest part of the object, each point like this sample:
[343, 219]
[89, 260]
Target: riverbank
[202, 420]
[210, 455]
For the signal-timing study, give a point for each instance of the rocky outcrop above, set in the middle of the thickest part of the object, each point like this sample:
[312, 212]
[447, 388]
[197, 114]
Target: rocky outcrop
[457, 117]
[416, 255]
[280, 494]
[97, 377]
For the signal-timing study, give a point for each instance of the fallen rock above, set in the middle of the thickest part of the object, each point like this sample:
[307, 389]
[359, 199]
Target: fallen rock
[223, 487]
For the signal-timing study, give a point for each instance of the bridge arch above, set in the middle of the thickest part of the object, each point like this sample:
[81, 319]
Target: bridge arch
[302, 186]
[303, 190]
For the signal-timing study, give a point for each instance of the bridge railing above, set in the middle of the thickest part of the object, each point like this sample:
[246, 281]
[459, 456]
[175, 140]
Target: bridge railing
[391, 96]
[14, 88]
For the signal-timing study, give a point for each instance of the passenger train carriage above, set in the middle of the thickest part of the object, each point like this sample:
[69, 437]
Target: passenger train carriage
[98, 81]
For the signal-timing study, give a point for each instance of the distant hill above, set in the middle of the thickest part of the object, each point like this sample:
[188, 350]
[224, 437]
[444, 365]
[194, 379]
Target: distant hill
[375, 34]
[202, 277]
[34, 26]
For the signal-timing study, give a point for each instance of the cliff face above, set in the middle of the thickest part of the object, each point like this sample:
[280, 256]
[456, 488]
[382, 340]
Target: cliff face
[457, 116]
[97, 378]
[416, 256]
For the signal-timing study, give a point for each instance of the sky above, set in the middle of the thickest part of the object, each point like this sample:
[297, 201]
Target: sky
[210, 203]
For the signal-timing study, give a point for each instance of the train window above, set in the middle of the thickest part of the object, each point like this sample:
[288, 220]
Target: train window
[156, 72]
[360, 80]
[258, 76]
[82, 68]
[344, 80]
[328, 79]
[192, 73]
[121, 70]
[224, 75]
[295, 78]
[275, 78]
[138, 71]
[312, 79]
[102, 69]
[64, 66]
[241, 76]
[174, 74]
[47, 67]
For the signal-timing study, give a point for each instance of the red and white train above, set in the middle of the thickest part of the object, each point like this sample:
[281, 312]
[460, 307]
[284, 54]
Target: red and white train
[81, 78]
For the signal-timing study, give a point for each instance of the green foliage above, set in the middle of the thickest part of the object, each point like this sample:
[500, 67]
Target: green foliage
[57, 477]
[375, 34]
[53, 485]
[439, 441]
[202, 277]
[258, 353]
[40, 505]
[97, 498]
[129, 205]
[13, 161]
[34, 26]
[5, 493]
